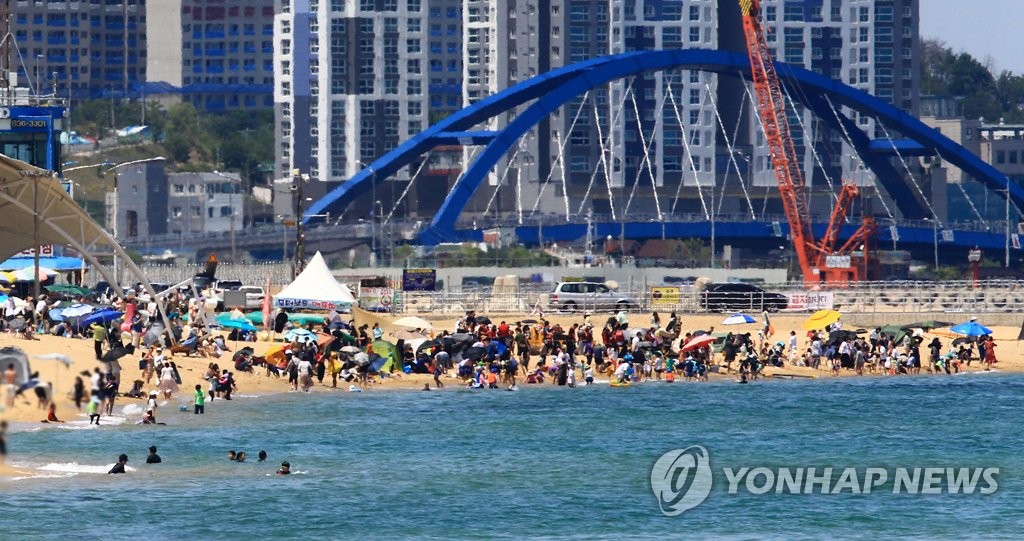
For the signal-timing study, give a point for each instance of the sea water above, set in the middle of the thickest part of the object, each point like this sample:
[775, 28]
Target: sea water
[545, 462]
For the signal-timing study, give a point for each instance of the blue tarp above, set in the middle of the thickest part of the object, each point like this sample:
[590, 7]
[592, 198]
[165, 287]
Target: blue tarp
[57, 263]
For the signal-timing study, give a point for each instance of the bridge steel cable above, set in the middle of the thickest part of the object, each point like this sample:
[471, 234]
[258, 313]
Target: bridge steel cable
[551, 90]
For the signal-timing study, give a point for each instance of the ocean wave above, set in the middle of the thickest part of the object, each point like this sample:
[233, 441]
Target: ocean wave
[74, 468]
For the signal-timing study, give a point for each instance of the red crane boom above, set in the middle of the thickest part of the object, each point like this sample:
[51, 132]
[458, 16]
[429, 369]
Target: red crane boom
[811, 255]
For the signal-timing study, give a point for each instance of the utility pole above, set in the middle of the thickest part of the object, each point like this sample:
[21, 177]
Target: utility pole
[300, 252]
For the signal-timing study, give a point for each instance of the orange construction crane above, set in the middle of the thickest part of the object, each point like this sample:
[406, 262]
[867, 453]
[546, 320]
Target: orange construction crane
[819, 261]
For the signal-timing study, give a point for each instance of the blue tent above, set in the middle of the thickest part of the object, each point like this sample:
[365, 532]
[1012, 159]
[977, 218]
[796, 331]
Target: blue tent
[971, 328]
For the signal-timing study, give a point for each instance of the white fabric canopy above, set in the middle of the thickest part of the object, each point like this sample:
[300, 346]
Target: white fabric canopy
[315, 289]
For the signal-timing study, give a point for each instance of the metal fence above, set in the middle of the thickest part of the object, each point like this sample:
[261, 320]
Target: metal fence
[955, 297]
[250, 274]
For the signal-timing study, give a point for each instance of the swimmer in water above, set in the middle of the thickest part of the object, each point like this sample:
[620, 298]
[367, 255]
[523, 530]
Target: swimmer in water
[286, 468]
[231, 455]
[153, 458]
[426, 386]
[263, 456]
[119, 467]
[240, 457]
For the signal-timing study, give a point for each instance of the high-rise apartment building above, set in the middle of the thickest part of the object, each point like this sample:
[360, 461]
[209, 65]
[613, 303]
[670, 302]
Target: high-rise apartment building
[871, 45]
[381, 70]
[84, 48]
[216, 54]
[354, 78]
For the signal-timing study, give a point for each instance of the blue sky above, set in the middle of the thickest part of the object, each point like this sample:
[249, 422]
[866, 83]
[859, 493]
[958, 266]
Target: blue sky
[990, 30]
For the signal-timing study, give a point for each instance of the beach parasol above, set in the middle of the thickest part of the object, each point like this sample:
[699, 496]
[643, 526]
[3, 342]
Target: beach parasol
[68, 289]
[413, 322]
[698, 342]
[529, 321]
[406, 334]
[8, 277]
[821, 319]
[474, 353]
[738, 319]
[462, 337]
[240, 324]
[103, 316]
[971, 328]
[28, 274]
[59, 357]
[77, 310]
[428, 344]
[297, 332]
[350, 349]
[55, 357]
[114, 354]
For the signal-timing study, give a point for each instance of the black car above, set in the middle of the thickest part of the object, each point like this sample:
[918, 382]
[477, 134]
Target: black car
[741, 297]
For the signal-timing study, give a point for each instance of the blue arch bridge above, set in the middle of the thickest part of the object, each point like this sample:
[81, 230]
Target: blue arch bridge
[913, 225]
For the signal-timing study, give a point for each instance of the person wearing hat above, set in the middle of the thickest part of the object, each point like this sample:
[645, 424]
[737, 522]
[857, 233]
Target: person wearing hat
[153, 458]
[286, 468]
[119, 467]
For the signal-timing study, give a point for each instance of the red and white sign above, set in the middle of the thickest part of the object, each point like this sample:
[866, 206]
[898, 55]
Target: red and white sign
[810, 300]
[45, 250]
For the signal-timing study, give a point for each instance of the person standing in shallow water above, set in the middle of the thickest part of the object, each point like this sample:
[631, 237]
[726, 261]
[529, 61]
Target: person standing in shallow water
[200, 400]
[119, 467]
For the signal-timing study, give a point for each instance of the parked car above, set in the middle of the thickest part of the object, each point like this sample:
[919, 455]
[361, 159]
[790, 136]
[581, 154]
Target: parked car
[741, 297]
[229, 285]
[253, 297]
[573, 296]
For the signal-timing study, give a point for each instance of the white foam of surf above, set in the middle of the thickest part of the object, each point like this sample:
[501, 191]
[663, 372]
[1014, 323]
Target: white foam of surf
[132, 410]
[75, 468]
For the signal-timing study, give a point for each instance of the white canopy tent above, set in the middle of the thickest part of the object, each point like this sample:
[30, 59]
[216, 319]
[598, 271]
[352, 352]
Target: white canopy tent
[315, 289]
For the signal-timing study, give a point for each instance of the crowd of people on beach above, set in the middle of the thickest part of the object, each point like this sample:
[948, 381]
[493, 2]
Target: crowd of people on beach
[480, 353]
[486, 354]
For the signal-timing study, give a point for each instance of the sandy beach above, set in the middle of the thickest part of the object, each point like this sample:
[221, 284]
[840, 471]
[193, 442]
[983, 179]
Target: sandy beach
[191, 369]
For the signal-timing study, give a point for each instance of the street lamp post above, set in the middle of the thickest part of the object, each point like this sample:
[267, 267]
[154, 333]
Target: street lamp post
[378, 209]
[300, 250]
[114, 201]
[1007, 218]
[231, 204]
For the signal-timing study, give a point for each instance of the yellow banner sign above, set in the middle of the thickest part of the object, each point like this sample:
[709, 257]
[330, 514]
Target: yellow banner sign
[664, 296]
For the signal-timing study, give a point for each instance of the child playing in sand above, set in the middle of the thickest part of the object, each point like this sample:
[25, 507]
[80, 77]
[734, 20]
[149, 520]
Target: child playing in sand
[51, 415]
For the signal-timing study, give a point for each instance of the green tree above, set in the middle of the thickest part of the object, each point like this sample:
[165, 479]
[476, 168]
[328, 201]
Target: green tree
[945, 73]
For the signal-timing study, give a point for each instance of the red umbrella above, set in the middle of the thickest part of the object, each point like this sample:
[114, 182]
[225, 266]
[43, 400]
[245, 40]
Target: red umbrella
[698, 342]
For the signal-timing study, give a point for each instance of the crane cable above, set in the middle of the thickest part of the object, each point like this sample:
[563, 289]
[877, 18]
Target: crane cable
[813, 147]
[860, 163]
